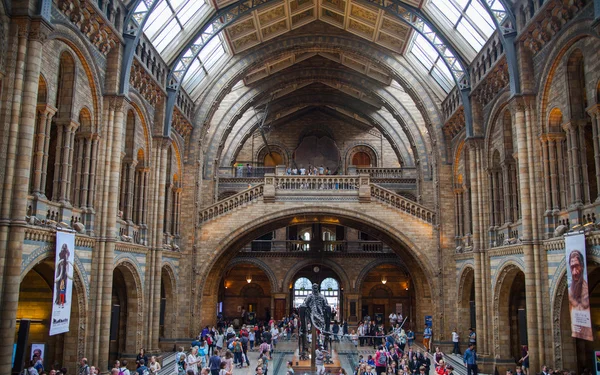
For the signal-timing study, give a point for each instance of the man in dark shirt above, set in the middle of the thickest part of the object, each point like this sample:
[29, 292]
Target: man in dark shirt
[143, 370]
[214, 363]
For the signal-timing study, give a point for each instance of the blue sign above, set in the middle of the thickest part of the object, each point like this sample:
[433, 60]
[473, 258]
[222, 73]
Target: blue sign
[428, 320]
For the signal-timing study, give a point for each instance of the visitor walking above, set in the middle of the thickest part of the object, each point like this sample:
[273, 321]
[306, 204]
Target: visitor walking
[470, 360]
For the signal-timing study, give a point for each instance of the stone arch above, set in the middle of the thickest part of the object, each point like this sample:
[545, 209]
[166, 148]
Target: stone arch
[575, 82]
[375, 291]
[366, 148]
[76, 336]
[252, 290]
[555, 120]
[225, 247]
[358, 284]
[169, 287]
[557, 307]
[398, 70]
[42, 97]
[578, 30]
[73, 39]
[466, 283]
[506, 275]
[135, 303]
[274, 147]
[343, 277]
[275, 287]
[142, 114]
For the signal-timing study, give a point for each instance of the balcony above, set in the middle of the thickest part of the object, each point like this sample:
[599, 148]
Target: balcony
[297, 246]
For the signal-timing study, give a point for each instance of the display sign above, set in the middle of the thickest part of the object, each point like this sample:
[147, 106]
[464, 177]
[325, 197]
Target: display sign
[577, 282]
[428, 321]
[63, 283]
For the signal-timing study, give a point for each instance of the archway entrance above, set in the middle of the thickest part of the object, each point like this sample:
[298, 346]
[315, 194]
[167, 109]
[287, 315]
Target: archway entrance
[35, 304]
[511, 330]
[346, 262]
[245, 290]
[577, 354]
[466, 304]
[168, 303]
[387, 289]
[125, 324]
[328, 282]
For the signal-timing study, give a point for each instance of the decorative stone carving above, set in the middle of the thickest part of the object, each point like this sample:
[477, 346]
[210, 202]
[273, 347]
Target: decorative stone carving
[93, 25]
[145, 84]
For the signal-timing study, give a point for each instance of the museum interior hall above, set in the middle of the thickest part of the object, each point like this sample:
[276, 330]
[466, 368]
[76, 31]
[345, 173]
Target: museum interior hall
[416, 173]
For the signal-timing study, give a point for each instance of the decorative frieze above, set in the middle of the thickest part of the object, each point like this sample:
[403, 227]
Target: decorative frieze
[145, 84]
[91, 23]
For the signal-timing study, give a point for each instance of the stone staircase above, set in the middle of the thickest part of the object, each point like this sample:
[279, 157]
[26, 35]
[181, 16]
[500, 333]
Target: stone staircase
[322, 188]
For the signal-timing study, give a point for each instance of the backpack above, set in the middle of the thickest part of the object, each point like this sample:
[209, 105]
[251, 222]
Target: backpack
[121, 372]
[146, 371]
[382, 360]
[209, 340]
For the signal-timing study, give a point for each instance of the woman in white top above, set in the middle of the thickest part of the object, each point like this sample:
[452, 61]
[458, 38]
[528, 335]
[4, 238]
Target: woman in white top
[219, 339]
[154, 366]
[455, 340]
[193, 360]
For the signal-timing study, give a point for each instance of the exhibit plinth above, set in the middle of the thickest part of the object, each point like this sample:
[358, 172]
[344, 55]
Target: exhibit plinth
[302, 366]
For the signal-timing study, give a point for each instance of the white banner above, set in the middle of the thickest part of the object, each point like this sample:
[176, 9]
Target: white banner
[63, 283]
[577, 281]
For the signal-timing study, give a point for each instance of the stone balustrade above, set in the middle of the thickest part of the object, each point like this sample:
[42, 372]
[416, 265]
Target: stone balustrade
[307, 246]
[398, 201]
[335, 188]
[231, 203]
[382, 172]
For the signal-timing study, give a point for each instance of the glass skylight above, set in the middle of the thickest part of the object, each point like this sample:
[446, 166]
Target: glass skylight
[471, 19]
[170, 22]
[432, 62]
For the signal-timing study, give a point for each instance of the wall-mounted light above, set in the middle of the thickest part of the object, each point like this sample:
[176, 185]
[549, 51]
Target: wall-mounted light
[383, 280]
[249, 279]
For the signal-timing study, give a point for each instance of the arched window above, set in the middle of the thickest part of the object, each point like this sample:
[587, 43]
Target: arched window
[273, 159]
[331, 290]
[302, 288]
[361, 159]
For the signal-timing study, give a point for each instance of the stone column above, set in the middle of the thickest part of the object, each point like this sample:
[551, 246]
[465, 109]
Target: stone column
[31, 34]
[553, 167]
[506, 188]
[574, 164]
[563, 177]
[92, 178]
[130, 191]
[594, 113]
[108, 227]
[518, 112]
[42, 140]
[46, 151]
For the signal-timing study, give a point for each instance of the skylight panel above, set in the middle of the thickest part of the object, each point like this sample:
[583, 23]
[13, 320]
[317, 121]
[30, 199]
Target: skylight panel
[470, 18]
[431, 61]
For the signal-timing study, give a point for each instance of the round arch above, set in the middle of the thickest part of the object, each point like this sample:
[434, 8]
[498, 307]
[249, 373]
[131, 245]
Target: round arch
[342, 276]
[275, 287]
[227, 248]
[169, 293]
[424, 103]
[358, 284]
[466, 285]
[505, 278]
[135, 303]
[364, 148]
[76, 336]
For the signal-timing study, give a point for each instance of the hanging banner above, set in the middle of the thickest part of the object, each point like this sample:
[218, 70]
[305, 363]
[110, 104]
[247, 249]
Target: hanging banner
[577, 281]
[63, 283]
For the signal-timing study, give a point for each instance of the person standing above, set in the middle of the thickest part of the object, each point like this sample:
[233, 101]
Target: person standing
[214, 363]
[320, 360]
[427, 337]
[470, 360]
[455, 341]
[524, 361]
[380, 361]
[410, 336]
[472, 336]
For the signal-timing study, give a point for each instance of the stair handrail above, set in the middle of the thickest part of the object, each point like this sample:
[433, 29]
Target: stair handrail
[230, 203]
[398, 201]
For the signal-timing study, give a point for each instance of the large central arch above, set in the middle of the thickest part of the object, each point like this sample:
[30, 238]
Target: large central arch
[216, 249]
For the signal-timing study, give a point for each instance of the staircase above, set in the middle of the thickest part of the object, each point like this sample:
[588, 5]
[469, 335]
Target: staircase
[317, 188]
[168, 366]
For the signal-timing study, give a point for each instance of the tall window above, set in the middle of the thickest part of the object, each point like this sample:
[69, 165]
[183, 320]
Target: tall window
[331, 290]
[302, 288]
[432, 61]
[470, 19]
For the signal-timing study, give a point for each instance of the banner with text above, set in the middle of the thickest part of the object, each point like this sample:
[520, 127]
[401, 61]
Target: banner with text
[63, 283]
[577, 282]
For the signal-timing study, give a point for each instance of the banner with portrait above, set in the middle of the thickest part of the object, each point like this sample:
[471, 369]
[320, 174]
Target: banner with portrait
[577, 284]
[63, 283]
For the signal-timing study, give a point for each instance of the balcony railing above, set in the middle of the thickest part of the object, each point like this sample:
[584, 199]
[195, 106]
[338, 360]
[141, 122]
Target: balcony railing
[316, 182]
[382, 172]
[315, 246]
